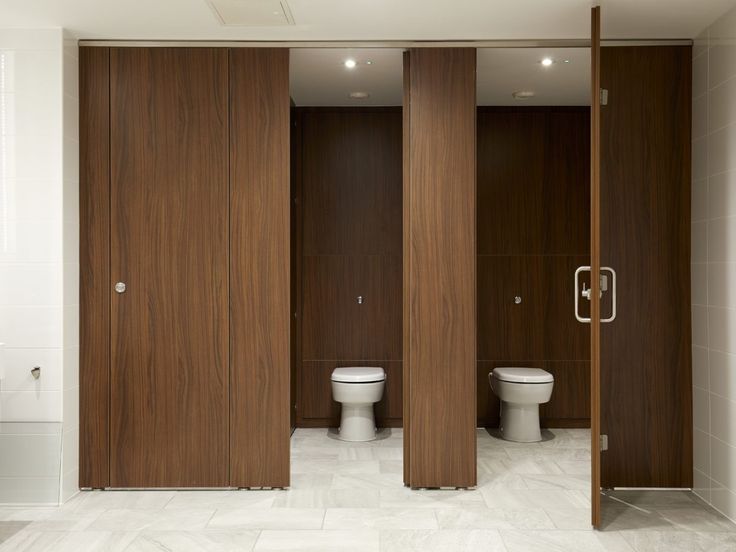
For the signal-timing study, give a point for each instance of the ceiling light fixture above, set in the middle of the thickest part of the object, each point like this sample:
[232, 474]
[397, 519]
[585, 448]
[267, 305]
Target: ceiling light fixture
[523, 94]
[547, 62]
[350, 63]
[566, 61]
[359, 95]
[369, 62]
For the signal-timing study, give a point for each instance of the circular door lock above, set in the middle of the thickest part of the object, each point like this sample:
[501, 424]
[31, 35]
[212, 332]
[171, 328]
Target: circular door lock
[120, 287]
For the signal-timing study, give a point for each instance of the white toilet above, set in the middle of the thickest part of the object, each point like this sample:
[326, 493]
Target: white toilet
[357, 389]
[521, 391]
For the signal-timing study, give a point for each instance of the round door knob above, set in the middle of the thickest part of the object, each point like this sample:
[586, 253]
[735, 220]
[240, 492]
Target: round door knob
[517, 300]
[120, 287]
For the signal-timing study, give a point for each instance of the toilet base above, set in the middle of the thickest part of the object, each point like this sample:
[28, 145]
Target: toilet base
[357, 422]
[520, 422]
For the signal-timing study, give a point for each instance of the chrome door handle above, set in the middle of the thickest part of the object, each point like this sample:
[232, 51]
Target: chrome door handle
[120, 287]
[586, 293]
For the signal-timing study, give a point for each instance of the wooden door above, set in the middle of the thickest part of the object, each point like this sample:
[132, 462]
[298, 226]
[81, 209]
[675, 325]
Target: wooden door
[259, 268]
[169, 245]
[440, 328]
[646, 388]
[595, 264]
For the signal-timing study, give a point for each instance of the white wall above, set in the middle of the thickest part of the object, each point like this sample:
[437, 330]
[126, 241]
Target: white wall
[38, 265]
[714, 264]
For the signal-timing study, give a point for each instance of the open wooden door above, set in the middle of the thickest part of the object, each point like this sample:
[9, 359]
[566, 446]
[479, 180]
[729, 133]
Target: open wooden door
[595, 265]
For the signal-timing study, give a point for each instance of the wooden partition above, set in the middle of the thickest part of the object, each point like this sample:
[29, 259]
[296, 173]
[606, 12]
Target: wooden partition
[259, 267]
[646, 393]
[533, 232]
[440, 267]
[184, 197]
[348, 194]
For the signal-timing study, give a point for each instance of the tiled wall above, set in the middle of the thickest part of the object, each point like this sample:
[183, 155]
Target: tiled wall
[714, 264]
[38, 265]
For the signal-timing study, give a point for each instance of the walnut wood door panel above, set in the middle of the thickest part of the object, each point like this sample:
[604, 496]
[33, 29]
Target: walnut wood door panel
[646, 395]
[259, 270]
[440, 287]
[94, 267]
[169, 244]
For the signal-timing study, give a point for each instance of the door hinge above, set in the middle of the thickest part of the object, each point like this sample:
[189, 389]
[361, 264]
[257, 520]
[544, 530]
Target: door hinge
[603, 441]
[604, 96]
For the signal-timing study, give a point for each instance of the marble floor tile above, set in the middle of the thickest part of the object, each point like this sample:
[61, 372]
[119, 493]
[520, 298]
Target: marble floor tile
[194, 541]
[407, 498]
[494, 518]
[268, 518]
[160, 520]
[69, 541]
[564, 541]
[217, 500]
[328, 498]
[380, 518]
[474, 540]
[680, 541]
[354, 540]
[515, 499]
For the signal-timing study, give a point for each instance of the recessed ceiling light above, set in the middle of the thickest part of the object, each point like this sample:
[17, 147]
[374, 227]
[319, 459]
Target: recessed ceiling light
[523, 94]
[566, 61]
[359, 95]
[547, 62]
[350, 63]
[369, 62]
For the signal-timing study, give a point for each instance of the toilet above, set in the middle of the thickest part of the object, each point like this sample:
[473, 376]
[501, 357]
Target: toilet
[357, 389]
[521, 391]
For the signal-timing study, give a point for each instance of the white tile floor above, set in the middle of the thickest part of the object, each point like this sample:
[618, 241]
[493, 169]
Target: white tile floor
[350, 497]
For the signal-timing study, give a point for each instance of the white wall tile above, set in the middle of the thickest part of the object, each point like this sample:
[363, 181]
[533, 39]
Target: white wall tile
[699, 197]
[29, 455]
[701, 485]
[700, 75]
[701, 450]
[29, 406]
[30, 241]
[33, 200]
[723, 463]
[700, 325]
[722, 284]
[41, 490]
[699, 241]
[723, 419]
[18, 365]
[722, 329]
[699, 283]
[30, 284]
[700, 116]
[71, 408]
[724, 500]
[721, 109]
[701, 413]
[721, 239]
[721, 147]
[31, 326]
[722, 374]
[722, 195]
[700, 159]
[700, 367]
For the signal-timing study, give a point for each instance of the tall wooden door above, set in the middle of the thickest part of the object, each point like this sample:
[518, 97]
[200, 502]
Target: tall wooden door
[595, 264]
[169, 248]
[646, 390]
[439, 267]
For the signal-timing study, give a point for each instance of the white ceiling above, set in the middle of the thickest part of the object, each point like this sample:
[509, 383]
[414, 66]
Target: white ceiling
[371, 19]
[502, 71]
[318, 76]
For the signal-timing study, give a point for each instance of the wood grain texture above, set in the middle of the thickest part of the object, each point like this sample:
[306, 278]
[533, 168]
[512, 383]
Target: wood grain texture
[350, 204]
[533, 218]
[440, 239]
[169, 244]
[406, 262]
[595, 264]
[94, 267]
[259, 270]
[646, 404]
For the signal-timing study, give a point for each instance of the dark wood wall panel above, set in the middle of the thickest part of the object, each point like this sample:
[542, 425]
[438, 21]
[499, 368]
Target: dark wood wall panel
[349, 180]
[533, 217]
[259, 269]
[94, 267]
[169, 243]
[646, 404]
[440, 240]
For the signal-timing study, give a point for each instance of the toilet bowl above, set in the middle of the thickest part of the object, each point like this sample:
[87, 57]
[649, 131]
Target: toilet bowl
[357, 389]
[521, 391]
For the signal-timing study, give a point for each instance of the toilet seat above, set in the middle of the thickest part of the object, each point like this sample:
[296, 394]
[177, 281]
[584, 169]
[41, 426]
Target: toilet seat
[358, 374]
[522, 375]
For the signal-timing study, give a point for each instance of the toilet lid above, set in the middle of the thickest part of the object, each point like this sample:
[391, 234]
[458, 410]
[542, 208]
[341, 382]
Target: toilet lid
[523, 375]
[362, 374]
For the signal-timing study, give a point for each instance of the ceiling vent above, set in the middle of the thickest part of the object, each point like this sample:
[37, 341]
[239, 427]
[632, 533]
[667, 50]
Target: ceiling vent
[252, 13]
